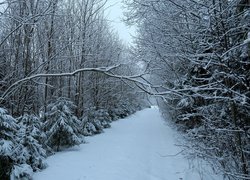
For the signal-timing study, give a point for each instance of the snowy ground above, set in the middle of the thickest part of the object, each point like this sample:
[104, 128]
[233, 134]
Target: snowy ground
[139, 147]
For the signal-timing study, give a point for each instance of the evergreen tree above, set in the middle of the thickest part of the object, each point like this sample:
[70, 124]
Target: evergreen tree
[31, 136]
[8, 143]
[19, 151]
[95, 120]
[62, 127]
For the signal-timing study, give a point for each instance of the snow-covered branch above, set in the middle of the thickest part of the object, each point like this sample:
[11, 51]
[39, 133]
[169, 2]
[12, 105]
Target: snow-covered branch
[21, 81]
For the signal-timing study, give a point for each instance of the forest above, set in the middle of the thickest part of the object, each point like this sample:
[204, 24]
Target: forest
[65, 74]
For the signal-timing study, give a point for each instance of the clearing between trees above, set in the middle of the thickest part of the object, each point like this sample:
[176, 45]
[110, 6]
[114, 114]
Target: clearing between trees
[140, 147]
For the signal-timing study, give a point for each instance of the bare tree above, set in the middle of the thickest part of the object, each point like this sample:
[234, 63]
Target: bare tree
[198, 53]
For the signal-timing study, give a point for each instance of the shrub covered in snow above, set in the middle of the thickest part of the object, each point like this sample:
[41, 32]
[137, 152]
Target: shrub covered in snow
[62, 127]
[125, 108]
[95, 120]
[88, 128]
[101, 118]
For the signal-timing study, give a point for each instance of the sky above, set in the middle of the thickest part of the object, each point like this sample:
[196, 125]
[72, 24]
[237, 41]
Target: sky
[114, 13]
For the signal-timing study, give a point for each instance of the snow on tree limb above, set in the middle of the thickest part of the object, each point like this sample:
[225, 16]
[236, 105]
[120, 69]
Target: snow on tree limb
[104, 70]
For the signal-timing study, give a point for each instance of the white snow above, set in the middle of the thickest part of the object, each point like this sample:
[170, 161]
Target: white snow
[248, 39]
[20, 170]
[5, 147]
[140, 147]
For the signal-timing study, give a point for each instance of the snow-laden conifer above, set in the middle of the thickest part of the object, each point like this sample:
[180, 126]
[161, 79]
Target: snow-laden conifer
[32, 137]
[16, 148]
[62, 127]
[8, 143]
[95, 120]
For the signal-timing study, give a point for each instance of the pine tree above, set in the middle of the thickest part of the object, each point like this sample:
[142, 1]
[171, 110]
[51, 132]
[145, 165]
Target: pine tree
[61, 126]
[95, 120]
[8, 143]
[31, 136]
[14, 153]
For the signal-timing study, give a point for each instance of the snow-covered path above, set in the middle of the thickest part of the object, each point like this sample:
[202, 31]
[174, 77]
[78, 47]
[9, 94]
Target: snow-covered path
[135, 148]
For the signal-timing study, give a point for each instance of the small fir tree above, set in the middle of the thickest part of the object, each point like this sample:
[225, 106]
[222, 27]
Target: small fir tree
[61, 126]
[8, 144]
[32, 137]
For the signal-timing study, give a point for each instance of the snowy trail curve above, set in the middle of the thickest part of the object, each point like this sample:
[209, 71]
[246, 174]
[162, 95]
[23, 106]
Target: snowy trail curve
[134, 148]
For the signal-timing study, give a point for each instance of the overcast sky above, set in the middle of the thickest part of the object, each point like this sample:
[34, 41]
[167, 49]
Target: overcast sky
[114, 13]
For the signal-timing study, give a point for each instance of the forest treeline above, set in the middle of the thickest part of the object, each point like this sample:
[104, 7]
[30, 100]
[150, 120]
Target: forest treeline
[198, 52]
[193, 55]
[65, 46]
